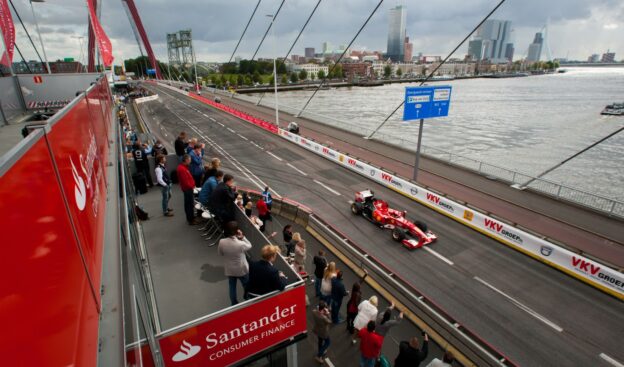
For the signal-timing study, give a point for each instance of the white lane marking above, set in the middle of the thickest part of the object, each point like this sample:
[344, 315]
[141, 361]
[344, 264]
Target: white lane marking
[212, 119]
[242, 137]
[232, 131]
[221, 124]
[434, 253]
[327, 187]
[329, 363]
[274, 156]
[520, 305]
[205, 115]
[296, 169]
[610, 360]
[257, 146]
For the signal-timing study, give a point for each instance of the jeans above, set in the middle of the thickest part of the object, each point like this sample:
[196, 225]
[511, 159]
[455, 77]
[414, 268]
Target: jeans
[317, 286]
[335, 310]
[166, 195]
[188, 205]
[244, 280]
[350, 319]
[323, 345]
[367, 362]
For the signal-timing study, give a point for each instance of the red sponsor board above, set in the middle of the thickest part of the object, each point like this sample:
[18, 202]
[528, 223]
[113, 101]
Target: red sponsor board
[239, 334]
[48, 313]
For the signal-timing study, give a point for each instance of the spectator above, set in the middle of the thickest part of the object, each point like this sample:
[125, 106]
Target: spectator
[328, 274]
[370, 346]
[367, 311]
[180, 145]
[321, 329]
[300, 256]
[338, 292]
[141, 162]
[266, 195]
[197, 159]
[248, 208]
[263, 276]
[320, 263]
[221, 200]
[209, 186]
[287, 235]
[385, 321]
[163, 180]
[186, 185]
[233, 247]
[410, 355]
[212, 168]
[191, 145]
[239, 201]
[246, 199]
[263, 212]
[354, 301]
[290, 247]
[159, 149]
[447, 360]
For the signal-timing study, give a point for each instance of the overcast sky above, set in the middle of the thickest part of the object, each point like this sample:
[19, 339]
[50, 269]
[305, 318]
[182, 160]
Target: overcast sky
[577, 28]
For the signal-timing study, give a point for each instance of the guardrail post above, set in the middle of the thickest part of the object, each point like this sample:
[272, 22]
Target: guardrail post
[480, 165]
[513, 178]
[559, 191]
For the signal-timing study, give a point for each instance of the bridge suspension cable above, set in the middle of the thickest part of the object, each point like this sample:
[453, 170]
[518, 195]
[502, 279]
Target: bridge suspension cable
[244, 31]
[436, 69]
[268, 29]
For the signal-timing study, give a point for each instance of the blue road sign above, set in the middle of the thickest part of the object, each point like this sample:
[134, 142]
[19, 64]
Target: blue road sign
[426, 102]
[151, 71]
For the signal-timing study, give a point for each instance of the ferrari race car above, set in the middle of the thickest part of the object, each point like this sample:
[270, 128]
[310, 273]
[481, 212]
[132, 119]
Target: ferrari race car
[412, 235]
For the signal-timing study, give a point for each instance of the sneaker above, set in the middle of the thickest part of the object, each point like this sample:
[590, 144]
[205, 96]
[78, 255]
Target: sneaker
[168, 214]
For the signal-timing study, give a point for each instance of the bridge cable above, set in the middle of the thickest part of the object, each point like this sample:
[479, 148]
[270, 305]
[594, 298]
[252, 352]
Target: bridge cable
[436, 69]
[295, 42]
[340, 58]
[268, 29]
[244, 31]
[26, 30]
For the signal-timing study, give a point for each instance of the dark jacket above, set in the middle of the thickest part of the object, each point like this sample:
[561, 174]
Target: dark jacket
[320, 263]
[140, 158]
[264, 278]
[321, 324]
[180, 147]
[222, 202]
[338, 291]
[159, 149]
[411, 357]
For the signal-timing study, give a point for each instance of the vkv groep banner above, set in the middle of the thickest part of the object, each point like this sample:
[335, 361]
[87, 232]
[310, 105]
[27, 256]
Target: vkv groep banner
[8, 33]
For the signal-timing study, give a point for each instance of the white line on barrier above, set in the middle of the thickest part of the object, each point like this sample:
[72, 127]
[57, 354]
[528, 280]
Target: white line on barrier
[520, 305]
[329, 363]
[232, 131]
[434, 253]
[610, 360]
[274, 156]
[296, 169]
[328, 188]
[242, 137]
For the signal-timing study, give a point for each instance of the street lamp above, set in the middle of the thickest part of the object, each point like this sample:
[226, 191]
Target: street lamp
[45, 57]
[274, 70]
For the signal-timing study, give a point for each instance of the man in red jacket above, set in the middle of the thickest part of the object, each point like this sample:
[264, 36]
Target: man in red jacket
[263, 212]
[370, 345]
[187, 184]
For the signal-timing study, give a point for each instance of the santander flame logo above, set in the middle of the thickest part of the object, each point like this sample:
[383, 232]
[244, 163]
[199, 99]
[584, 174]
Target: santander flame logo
[80, 191]
[187, 350]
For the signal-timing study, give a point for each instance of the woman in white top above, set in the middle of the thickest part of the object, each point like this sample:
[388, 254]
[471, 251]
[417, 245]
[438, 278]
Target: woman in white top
[367, 311]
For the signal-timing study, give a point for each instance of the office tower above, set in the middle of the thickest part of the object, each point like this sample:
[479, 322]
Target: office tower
[309, 52]
[535, 48]
[608, 57]
[492, 42]
[408, 48]
[396, 33]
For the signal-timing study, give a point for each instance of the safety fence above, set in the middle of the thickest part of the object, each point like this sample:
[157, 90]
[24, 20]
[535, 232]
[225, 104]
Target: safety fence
[53, 186]
[591, 272]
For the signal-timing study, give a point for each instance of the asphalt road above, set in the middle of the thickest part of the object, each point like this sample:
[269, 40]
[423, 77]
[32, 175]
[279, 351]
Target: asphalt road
[531, 312]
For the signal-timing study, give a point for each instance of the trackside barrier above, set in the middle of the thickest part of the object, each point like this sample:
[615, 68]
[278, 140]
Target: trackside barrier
[589, 271]
[468, 347]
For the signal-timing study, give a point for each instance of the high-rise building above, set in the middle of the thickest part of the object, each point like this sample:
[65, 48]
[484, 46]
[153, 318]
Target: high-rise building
[492, 42]
[535, 48]
[309, 52]
[327, 48]
[409, 48]
[608, 57]
[396, 33]
[593, 58]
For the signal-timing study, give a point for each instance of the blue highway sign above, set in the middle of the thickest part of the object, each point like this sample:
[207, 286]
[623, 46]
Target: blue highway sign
[426, 102]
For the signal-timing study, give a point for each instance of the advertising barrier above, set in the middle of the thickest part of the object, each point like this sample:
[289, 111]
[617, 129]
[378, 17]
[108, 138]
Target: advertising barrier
[602, 277]
[146, 99]
[235, 336]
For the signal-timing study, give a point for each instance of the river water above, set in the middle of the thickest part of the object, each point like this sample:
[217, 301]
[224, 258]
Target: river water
[525, 124]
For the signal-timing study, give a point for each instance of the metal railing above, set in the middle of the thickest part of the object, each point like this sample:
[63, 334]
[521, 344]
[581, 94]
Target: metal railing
[554, 189]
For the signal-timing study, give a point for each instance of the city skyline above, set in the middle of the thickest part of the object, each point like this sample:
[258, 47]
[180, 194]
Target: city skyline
[575, 30]
[395, 49]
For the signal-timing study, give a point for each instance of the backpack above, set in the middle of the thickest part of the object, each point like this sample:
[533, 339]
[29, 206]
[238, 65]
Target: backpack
[140, 213]
[383, 362]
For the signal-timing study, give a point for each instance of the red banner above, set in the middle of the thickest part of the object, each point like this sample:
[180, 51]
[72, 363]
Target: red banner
[239, 334]
[104, 44]
[8, 32]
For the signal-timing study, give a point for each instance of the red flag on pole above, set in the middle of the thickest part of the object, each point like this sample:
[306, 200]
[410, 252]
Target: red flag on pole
[104, 44]
[8, 33]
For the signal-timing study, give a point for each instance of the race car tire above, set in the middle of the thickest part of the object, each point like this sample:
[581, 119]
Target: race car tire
[355, 209]
[398, 235]
[421, 225]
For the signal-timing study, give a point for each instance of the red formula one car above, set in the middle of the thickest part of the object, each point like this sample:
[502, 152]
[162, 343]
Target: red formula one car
[412, 235]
